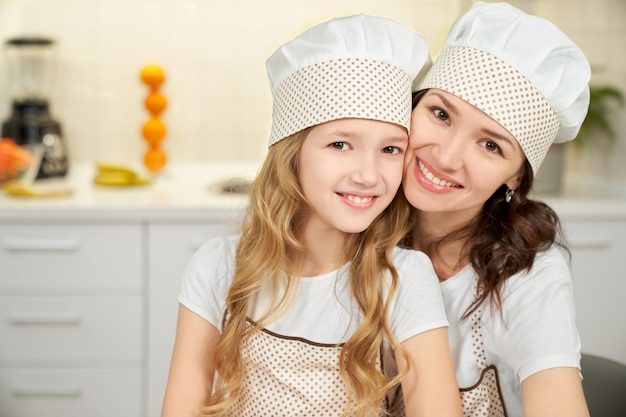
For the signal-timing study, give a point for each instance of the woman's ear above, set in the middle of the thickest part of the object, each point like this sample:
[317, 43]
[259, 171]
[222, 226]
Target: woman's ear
[514, 182]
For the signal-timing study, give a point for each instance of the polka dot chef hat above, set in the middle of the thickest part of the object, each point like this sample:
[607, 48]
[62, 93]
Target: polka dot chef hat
[520, 70]
[352, 67]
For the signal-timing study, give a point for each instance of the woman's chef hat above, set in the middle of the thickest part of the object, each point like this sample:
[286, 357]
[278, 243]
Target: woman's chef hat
[352, 67]
[520, 70]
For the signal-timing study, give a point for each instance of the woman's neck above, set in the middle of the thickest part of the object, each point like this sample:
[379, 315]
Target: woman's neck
[448, 257]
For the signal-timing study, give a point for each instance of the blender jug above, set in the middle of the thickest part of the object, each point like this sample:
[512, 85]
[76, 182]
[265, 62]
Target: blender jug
[30, 124]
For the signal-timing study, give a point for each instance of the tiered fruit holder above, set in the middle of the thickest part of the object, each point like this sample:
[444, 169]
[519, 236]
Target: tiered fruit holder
[154, 130]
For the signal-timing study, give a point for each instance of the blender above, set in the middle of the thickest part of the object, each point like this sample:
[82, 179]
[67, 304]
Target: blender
[30, 124]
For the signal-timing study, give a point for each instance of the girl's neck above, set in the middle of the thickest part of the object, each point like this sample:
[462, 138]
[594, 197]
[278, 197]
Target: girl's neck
[449, 257]
[325, 250]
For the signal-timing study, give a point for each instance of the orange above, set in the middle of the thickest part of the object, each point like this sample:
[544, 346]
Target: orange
[154, 159]
[152, 75]
[153, 131]
[155, 102]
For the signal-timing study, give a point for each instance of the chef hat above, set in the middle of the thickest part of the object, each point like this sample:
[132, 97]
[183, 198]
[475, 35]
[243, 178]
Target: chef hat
[352, 67]
[521, 70]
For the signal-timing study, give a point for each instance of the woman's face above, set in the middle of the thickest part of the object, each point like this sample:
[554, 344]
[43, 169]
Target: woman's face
[457, 156]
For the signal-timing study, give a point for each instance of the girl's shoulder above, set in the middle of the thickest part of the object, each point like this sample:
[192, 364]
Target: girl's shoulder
[409, 257]
[413, 265]
[214, 254]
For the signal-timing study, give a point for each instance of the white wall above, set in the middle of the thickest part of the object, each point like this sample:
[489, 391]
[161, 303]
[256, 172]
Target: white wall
[214, 53]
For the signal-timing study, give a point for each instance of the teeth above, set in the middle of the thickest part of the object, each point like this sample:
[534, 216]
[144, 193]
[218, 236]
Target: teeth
[359, 200]
[438, 181]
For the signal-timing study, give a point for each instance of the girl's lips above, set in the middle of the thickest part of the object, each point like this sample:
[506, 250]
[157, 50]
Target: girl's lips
[357, 201]
[431, 182]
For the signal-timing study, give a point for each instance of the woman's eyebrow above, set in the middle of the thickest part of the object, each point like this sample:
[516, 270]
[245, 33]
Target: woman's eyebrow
[487, 131]
[499, 136]
[446, 103]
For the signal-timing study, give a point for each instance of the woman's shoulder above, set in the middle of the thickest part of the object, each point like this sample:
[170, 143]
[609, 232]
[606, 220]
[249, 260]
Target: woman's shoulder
[549, 269]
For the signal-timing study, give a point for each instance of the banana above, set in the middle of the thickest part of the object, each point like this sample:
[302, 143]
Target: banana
[20, 189]
[117, 175]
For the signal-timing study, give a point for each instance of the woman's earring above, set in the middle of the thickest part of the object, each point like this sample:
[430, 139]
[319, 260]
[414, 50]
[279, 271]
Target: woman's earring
[508, 195]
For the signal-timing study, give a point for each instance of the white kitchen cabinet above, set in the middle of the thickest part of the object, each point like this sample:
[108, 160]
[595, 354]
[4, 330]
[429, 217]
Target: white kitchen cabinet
[71, 320]
[171, 246]
[598, 249]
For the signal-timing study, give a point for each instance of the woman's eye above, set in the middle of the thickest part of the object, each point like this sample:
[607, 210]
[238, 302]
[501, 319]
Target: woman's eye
[393, 150]
[492, 147]
[342, 146]
[441, 115]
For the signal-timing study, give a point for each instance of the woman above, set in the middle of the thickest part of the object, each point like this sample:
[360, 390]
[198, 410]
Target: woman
[505, 87]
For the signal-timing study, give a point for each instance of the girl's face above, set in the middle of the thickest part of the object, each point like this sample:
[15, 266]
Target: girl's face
[349, 171]
[457, 156]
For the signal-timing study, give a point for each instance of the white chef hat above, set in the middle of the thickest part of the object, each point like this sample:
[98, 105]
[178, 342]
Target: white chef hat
[352, 67]
[519, 69]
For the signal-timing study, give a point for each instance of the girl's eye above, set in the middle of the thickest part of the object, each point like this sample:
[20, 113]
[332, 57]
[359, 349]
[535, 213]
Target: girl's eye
[492, 147]
[393, 150]
[342, 146]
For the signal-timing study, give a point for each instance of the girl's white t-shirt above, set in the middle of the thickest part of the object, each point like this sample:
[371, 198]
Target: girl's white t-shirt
[323, 311]
[536, 330]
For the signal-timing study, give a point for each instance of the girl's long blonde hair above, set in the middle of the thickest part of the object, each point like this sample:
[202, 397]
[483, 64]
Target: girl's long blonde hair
[270, 253]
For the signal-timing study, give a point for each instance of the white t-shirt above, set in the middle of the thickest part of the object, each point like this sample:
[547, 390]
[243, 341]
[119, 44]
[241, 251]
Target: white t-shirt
[536, 331]
[323, 311]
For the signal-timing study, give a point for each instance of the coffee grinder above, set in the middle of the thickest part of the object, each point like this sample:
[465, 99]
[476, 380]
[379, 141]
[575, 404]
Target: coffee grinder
[30, 124]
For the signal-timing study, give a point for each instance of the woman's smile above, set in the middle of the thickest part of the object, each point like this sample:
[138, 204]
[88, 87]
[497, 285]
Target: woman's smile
[435, 180]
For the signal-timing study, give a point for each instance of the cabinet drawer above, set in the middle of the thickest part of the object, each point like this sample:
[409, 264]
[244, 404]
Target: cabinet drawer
[599, 278]
[75, 392]
[65, 330]
[75, 257]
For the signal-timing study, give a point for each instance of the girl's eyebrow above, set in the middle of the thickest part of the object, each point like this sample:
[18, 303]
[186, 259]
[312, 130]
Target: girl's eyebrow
[348, 134]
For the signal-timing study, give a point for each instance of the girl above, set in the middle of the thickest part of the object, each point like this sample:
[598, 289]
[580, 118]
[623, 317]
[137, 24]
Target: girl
[302, 313]
[505, 87]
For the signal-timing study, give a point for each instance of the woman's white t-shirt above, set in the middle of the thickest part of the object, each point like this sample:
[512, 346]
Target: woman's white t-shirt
[536, 330]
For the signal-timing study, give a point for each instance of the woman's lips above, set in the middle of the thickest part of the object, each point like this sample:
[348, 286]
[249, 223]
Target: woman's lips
[430, 181]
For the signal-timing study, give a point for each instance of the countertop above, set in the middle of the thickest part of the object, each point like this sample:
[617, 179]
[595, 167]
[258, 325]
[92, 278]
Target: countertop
[192, 192]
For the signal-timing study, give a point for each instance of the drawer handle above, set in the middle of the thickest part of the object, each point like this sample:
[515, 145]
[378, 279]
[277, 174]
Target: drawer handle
[70, 318]
[67, 245]
[591, 241]
[41, 390]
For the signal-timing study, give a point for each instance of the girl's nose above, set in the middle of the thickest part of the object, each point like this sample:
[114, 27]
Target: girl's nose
[365, 171]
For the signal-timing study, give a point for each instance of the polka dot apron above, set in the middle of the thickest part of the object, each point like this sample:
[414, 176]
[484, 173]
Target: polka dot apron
[484, 398]
[290, 376]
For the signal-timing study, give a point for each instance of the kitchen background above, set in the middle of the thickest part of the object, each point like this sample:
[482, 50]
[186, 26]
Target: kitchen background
[213, 53]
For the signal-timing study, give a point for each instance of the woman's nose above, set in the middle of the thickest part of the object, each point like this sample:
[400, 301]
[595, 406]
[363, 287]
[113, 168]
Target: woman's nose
[449, 153]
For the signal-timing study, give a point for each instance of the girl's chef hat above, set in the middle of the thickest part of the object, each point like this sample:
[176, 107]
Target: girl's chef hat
[352, 67]
[520, 70]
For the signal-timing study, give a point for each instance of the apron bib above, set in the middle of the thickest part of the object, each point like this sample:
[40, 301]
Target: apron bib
[290, 376]
[484, 398]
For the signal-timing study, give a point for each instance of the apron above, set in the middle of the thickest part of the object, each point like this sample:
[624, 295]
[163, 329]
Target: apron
[484, 398]
[291, 376]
